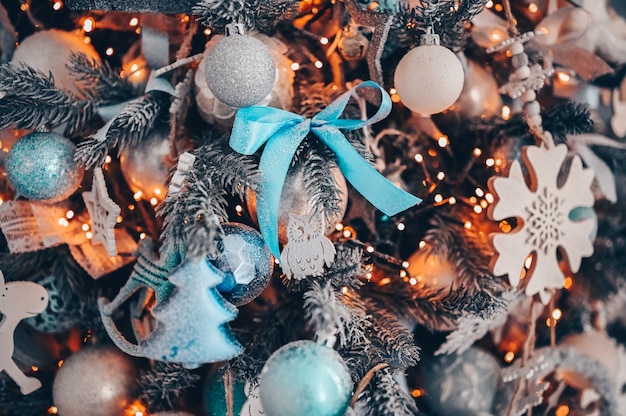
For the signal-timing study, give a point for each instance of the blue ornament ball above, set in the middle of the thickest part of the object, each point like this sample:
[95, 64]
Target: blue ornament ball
[305, 378]
[460, 384]
[247, 262]
[62, 312]
[41, 167]
[215, 397]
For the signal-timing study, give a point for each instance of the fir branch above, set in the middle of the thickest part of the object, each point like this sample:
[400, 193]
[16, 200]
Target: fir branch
[272, 12]
[101, 83]
[234, 171]
[129, 127]
[162, 385]
[325, 314]
[388, 398]
[393, 338]
[568, 118]
[320, 185]
[216, 14]
[20, 266]
[34, 404]
[29, 99]
[454, 24]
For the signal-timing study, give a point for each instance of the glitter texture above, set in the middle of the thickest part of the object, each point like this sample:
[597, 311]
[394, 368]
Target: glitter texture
[240, 70]
[41, 167]
[305, 378]
[247, 262]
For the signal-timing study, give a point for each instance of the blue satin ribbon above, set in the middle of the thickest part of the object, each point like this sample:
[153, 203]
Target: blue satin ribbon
[282, 132]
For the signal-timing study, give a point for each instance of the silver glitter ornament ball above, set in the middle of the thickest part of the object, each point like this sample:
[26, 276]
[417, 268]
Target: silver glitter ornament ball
[240, 70]
[247, 262]
[41, 167]
[95, 381]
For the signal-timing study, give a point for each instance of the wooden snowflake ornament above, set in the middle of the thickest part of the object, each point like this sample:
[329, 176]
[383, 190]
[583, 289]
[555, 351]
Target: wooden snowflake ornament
[103, 212]
[543, 212]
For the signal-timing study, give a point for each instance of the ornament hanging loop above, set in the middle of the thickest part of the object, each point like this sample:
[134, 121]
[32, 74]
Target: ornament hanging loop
[235, 29]
[430, 38]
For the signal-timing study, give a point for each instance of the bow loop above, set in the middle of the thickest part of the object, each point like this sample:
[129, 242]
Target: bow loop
[284, 131]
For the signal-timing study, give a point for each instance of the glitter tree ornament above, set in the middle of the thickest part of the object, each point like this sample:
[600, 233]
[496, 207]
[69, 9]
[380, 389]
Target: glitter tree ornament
[41, 167]
[429, 78]
[189, 325]
[305, 378]
[239, 70]
[544, 209]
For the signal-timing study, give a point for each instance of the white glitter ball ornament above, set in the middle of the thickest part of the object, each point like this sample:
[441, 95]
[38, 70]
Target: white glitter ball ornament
[49, 51]
[429, 78]
[239, 70]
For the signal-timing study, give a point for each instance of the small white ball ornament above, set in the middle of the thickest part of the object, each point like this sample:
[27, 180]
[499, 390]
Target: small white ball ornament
[429, 78]
[50, 50]
[239, 70]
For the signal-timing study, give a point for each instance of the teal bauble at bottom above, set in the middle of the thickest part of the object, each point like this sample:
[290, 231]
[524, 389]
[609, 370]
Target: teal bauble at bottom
[41, 167]
[214, 397]
[305, 378]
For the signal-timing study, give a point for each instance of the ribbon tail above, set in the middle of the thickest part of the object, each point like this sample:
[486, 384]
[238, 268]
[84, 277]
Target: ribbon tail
[274, 165]
[383, 194]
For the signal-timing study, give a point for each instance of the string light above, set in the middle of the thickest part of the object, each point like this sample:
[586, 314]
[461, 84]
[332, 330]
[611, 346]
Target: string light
[401, 226]
[438, 198]
[506, 112]
[467, 225]
[324, 40]
[562, 410]
[489, 197]
[369, 249]
[417, 392]
[443, 141]
[557, 314]
[85, 227]
[567, 283]
[207, 31]
[533, 8]
[137, 195]
[89, 24]
[107, 159]
[479, 192]
[69, 214]
[295, 66]
[419, 158]
[142, 236]
[490, 162]
[153, 201]
[441, 175]
[509, 356]
[477, 152]
[134, 22]
[563, 77]
[478, 209]
[108, 51]
[119, 219]
[318, 64]
[405, 264]
[53, 410]
[63, 222]
[421, 244]
[57, 5]
[89, 235]
[413, 281]
[24, 7]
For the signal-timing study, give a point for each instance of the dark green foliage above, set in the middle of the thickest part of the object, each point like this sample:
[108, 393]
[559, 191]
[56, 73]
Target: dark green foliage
[161, 386]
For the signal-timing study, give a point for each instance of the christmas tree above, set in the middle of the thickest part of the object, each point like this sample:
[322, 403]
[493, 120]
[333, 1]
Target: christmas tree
[313, 207]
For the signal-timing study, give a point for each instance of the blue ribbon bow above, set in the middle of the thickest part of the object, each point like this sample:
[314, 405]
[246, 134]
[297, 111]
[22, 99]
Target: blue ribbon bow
[284, 131]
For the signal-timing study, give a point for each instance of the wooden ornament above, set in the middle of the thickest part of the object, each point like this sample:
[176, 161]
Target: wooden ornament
[103, 212]
[543, 211]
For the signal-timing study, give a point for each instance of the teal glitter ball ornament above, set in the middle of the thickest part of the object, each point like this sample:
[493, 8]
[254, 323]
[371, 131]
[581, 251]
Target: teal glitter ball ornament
[214, 397]
[239, 69]
[41, 167]
[247, 262]
[62, 312]
[305, 378]
[460, 384]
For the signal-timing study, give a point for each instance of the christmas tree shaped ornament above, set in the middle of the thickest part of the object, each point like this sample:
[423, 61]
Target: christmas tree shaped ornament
[239, 70]
[41, 167]
[307, 250]
[18, 300]
[429, 78]
[305, 378]
[103, 212]
[246, 261]
[190, 323]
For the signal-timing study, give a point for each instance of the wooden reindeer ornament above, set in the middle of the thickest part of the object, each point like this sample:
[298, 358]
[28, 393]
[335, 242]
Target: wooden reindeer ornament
[18, 300]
